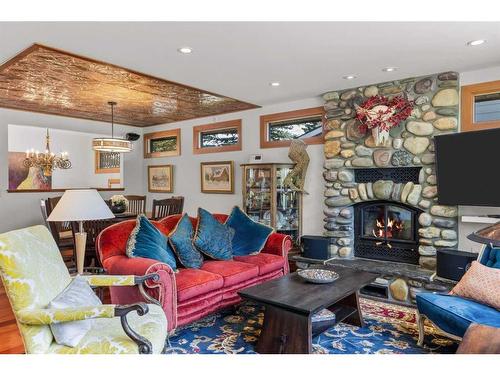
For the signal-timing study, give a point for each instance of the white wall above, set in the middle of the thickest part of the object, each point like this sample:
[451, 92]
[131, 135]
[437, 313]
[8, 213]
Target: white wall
[19, 210]
[82, 157]
[469, 78]
[187, 166]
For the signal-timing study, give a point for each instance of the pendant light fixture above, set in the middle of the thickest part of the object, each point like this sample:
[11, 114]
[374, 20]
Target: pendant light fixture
[112, 144]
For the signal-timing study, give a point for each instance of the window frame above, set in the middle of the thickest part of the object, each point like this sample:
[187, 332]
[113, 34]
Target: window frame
[162, 134]
[467, 106]
[290, 115]
[231, 124]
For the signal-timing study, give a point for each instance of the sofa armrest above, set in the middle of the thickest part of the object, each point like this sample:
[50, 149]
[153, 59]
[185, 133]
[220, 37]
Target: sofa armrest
[279, 244]
[163, 290]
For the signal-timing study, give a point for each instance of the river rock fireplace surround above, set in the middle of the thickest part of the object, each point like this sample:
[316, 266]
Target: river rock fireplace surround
[393, 182]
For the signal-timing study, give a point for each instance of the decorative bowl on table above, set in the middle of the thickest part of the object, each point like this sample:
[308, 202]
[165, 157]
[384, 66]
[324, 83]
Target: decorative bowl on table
[318, 275]
[118, 209]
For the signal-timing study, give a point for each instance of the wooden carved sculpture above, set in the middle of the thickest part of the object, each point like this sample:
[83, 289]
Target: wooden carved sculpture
[296, 178]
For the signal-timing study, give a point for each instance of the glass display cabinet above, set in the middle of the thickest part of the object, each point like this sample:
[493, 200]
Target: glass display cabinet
[267, 201]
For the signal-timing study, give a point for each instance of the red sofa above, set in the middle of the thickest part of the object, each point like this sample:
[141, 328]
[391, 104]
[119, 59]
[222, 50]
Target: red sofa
[189, 294]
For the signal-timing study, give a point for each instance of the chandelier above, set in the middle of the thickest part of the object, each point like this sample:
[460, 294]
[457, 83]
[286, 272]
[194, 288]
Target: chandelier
[112, 144]
[47, 161]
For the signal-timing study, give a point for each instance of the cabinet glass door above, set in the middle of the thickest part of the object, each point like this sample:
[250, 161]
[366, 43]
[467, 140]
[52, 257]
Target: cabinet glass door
[287, 206]
[258, 194]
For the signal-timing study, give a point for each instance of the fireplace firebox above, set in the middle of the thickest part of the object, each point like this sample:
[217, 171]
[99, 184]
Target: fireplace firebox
[386, 230]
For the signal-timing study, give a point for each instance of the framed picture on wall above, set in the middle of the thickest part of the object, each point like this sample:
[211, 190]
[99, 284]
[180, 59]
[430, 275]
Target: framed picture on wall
[162, 144]
[160, 178]
[24, 178]
[217, 177]
[107, 162]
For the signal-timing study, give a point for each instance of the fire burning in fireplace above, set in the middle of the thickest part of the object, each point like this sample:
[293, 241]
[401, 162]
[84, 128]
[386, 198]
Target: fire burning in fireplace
[392, 229]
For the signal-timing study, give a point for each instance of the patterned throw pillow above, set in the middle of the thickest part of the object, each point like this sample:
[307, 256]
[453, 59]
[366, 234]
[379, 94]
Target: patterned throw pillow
[249, 237]
[212, 237]
[77, 294]
[480, 283]
[146, 241]
[181, 240]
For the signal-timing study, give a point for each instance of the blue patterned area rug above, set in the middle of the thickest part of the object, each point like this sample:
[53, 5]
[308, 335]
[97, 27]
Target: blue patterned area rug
[389, 329]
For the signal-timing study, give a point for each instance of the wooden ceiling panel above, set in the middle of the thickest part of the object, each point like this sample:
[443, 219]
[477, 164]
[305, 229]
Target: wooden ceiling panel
[47, 80]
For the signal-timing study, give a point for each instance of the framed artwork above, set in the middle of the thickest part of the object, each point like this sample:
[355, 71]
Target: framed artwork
[162, 144]
[107, 162]
[23, 178]
[217, 177]
[160, 178]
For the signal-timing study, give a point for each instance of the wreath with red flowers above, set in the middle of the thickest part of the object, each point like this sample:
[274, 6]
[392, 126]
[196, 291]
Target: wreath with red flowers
[399, 106]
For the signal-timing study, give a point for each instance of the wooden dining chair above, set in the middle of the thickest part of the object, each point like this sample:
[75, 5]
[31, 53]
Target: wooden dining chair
[166, 207]
[92, 228]
[43, 208]
[61, 231]
[136, 204]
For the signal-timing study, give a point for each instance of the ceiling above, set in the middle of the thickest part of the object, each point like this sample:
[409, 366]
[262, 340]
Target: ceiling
[43, 79]
[239, 60]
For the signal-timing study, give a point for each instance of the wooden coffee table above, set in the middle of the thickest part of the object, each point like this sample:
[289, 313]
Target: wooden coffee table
[290, 302]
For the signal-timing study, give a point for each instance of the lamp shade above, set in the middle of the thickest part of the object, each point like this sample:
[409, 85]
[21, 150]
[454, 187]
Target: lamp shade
[80, 205]
[488, 235]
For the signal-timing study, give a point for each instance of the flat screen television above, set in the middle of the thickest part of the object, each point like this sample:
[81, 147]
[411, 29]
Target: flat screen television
[468, 168]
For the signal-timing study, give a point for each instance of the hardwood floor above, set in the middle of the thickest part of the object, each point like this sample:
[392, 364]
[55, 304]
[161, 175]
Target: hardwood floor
[10, 339]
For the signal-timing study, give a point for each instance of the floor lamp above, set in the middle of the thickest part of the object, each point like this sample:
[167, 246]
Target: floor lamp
[80, 206]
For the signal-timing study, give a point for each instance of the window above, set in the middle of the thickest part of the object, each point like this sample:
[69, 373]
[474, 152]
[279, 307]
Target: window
[481, 106]
[161, 144]
[107, 162]
[278, 129]
[164, 144]
[217, 137]
[487, 107]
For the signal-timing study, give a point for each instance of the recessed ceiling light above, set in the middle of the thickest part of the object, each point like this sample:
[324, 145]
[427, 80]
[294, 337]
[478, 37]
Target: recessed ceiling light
[349, 77]
[476, 42]
[185, 50]
[389, 69]
[274, 84]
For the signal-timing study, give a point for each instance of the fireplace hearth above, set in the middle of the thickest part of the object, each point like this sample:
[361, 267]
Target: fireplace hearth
[386, 230]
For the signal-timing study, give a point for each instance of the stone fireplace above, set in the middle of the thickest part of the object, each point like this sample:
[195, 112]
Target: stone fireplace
[381, 200]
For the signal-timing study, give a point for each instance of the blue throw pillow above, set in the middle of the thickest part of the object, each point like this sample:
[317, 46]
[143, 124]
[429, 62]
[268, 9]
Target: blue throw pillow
[181, 240]
[212, 237]
[249, 237]
[146, 241]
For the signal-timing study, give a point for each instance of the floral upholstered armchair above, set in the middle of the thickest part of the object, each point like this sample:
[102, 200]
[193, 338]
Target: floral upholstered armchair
[33, 274]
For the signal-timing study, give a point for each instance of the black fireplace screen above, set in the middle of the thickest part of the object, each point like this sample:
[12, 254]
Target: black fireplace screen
[387, 231]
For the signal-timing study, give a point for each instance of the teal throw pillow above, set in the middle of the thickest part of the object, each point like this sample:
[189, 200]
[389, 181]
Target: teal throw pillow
[212, 237]
[181, 240]
[250, 237]
[146, 241]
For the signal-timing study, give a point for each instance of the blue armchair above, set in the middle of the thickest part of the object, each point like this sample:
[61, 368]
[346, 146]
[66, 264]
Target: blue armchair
[453, 314]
